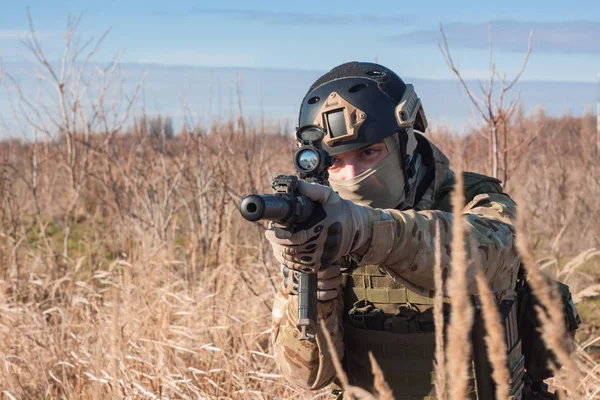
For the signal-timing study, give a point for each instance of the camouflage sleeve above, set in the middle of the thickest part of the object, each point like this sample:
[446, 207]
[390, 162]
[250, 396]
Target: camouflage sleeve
[306, 363]
[404, 242]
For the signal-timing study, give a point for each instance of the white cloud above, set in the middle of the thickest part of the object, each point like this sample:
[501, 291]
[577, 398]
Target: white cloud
[313, 18]
[42, 35]
[474, 73]
[567, 37]
[13, 34]
[195, 57]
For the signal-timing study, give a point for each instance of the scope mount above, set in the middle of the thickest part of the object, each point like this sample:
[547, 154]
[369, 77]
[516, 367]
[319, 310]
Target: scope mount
[310, 138]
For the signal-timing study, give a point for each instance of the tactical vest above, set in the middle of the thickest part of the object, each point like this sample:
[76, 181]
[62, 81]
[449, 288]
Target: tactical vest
[396, 325]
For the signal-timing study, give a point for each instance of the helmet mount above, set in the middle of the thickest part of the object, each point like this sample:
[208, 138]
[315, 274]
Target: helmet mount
[340, 119]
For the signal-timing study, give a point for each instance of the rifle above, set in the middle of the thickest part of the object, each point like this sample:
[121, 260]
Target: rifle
[287, 208]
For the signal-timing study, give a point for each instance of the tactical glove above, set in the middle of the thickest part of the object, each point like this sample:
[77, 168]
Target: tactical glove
[337, 228]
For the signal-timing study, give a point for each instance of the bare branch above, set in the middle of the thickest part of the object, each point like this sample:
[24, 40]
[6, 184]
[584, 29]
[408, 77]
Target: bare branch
[525, 60]
[34, 45]
[492, 66]
[445, 50]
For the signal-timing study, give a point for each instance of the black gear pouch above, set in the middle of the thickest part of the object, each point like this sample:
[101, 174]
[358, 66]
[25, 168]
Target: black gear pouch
[537, 356]
[365, 315]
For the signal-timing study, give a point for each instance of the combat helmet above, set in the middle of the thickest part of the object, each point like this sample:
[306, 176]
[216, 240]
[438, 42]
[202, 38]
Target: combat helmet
[358, 104]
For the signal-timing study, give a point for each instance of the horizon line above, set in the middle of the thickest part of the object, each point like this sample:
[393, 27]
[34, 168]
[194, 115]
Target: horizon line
[593, 80]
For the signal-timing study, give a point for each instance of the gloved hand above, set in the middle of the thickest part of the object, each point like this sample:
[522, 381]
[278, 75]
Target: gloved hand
[328, 282]
[337, 228]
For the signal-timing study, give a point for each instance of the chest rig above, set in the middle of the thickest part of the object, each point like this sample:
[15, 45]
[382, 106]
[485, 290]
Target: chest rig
[395, 324]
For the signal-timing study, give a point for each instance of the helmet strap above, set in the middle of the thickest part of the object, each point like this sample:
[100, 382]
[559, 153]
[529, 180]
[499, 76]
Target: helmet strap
[414, 169]
[402, 142]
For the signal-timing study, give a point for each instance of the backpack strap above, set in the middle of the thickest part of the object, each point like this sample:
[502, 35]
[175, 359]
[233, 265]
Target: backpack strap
[474, 184]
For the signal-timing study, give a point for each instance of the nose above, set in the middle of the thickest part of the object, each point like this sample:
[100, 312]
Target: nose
[348, 171]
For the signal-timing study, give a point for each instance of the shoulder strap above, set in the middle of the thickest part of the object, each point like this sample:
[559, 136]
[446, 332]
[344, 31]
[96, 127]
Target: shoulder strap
[474, 184]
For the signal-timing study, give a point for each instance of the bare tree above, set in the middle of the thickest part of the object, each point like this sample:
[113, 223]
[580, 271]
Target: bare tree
[492, 107]
[91, 108]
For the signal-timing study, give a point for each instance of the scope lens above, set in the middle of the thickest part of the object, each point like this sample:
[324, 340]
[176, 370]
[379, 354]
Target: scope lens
[307, 160]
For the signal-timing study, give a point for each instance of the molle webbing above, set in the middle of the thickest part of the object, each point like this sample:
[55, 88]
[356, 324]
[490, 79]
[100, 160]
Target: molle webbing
[370, 282]
[407, 359]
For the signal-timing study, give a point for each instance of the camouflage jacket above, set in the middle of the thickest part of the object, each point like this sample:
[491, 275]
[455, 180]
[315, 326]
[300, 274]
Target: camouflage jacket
[404, 247]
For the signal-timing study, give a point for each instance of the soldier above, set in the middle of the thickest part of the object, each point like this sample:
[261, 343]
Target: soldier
[393, 186]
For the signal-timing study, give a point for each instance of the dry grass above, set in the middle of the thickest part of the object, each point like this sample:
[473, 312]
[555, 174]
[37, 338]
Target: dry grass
[381, 387]
[155, 296]
[142, 304]
[438, 313]
[494, 338]
[461, 318]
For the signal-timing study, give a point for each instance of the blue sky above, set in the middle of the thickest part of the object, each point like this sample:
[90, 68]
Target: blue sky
[316, 35]
[277, 49]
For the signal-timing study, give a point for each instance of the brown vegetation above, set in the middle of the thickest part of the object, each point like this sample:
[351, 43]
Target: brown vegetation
[161, 287]
[127, 270]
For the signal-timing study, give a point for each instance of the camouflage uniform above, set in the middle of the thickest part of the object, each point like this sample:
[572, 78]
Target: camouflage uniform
[403, 247]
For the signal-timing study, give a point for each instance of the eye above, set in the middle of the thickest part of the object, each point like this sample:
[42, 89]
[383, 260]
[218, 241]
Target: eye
[370, 152]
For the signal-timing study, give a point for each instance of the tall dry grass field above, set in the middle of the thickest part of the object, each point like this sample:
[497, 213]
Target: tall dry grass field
[153, 285]
[127, 271]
